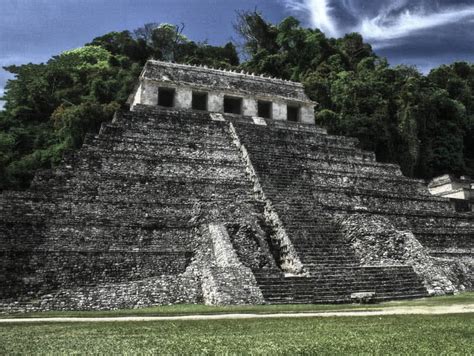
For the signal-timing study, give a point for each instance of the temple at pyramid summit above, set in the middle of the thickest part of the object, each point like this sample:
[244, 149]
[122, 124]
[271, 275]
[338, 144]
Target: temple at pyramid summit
[217, 187]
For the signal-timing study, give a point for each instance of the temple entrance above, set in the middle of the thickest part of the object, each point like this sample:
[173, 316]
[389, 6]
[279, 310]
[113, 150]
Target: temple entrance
[232, 105]
[166, 97]
[264, 109]
[199, 101]
[293, 113]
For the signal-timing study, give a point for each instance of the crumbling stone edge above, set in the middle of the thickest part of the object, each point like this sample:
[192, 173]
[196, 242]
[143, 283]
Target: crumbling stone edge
[290, 263]
[377, 242]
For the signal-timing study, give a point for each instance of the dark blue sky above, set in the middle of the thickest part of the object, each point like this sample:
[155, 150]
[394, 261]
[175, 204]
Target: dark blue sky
[421, 32]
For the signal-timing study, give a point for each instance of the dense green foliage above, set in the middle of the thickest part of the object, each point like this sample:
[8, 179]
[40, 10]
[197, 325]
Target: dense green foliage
[385, 335]
[50, 107]
[424, 123]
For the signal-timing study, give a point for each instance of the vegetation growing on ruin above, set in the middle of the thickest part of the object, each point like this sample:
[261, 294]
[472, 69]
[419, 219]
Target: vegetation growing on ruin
[423, 122]
[405, 334]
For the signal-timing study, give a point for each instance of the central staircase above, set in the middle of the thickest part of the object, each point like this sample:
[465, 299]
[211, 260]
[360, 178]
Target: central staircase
[283, 161]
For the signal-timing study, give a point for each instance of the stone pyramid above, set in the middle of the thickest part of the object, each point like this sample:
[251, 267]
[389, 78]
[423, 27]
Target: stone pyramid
[217, 188]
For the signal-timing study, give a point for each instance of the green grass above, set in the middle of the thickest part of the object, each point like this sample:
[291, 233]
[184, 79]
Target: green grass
[410, 334]
[458, 299]
[186, 309]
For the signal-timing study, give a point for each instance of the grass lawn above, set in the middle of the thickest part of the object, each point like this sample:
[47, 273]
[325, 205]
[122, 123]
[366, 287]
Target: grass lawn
[184, 309]
[410, 334]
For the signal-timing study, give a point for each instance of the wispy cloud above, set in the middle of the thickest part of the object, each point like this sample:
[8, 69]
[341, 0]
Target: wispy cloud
[382, 21]
[319, 11]
[383, 27]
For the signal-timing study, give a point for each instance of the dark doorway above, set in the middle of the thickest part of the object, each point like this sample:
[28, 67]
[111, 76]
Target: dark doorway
[265, 109]
[293, 113]
[232, 105]
[166, 97]
[199, 101]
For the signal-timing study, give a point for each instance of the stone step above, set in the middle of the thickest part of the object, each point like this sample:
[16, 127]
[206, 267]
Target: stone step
[333, 295]
[338, 280]
[276, 273]
[341, 300]
[316, 151]
[314, 252]
[313, 264]
[337, 284]
[173, 140]
[84, 179]
[150, 125]
[148, 194]
[160, 115]
[300, 192]
[164, 151]
[340, 176]
[292, 165]
[300, 197]
[329, 293]
[277, 126]
[332, 292]
[279, 137]
[149, 169]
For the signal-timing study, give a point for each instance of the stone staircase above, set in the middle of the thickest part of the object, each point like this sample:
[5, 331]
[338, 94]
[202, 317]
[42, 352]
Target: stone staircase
[308, 177]
[341, 285]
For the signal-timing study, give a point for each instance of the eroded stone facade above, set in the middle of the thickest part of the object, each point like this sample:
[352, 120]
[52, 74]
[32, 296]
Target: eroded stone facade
[184, 80]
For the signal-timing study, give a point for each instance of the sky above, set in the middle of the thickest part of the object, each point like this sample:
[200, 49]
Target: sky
[425, 33]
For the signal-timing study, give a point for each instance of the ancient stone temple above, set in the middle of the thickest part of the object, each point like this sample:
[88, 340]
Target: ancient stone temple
[217, 188]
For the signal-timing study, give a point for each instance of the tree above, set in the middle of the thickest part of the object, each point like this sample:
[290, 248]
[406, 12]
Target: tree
[50, 107]
[124, 44]
[167, 40]
[422, 123]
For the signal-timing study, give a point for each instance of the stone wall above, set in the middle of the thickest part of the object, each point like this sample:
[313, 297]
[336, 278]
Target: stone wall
[163, 290]
[223, 80]
[185, 79]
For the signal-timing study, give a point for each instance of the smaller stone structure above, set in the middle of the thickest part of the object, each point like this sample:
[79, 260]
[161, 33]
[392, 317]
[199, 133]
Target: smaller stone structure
[459, 191]
[200, 88]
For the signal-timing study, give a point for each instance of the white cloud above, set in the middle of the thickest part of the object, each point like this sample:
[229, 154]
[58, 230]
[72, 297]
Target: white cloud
[382, 28]
[392, 20]
[320, 13]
